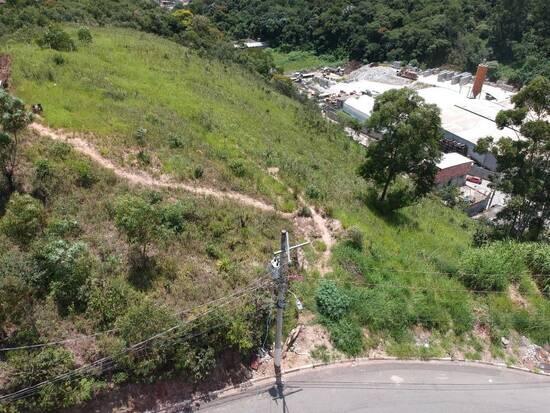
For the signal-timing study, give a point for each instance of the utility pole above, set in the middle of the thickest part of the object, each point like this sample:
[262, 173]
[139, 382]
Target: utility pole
[282, 287]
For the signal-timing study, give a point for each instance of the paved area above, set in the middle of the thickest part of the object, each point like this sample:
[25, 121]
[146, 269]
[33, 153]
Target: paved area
[397, 387]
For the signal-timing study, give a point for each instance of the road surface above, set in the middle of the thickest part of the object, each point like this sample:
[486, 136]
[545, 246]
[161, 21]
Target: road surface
[397, 387]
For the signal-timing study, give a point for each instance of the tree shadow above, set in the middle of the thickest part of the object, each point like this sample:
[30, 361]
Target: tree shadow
[142, 270]
[390, 209]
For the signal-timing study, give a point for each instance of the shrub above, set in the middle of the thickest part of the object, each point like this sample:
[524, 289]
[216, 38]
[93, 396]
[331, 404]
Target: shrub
[108, 300]
[58, 59]
[332, 302]
[347, 337]
[173, 217]
[24, 218]
[57, 39]
[84, 35]
[35, 367]
[305, 212]
[196, 363]
[140, 136]
[355, 238]
[491, 267]
[141, 321]
[537, 258]
[66, 269]
[313, 192]
[85, 176]
[385, 308]
[198, 172]
[238, 168]
[175, 141]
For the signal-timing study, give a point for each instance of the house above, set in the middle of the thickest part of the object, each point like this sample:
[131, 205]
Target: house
[452, 169]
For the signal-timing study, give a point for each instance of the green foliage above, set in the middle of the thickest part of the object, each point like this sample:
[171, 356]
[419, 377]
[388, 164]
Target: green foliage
[491, 267]
[57, 39]
[84, 35]
[196, 363]
[411, 131]
[427, 33]
[141, 321]
[356, 238]
[523, 163]
[33, 368]
[23, 220]
[65, 271]
[139, 221]
[347, 337]
[108, 300]
[332, 301]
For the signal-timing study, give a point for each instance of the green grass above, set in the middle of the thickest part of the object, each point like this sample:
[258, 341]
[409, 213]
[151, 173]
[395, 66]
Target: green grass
[303, 60]
[229, 122]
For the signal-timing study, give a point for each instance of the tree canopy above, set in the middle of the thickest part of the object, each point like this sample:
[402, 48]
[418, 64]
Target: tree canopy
[411, 131]
[524, 162]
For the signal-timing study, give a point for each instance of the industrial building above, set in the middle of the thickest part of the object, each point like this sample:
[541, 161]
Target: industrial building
[468, 111]
[453, 169]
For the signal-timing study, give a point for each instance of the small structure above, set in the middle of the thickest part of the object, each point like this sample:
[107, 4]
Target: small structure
[249, 44]
[453, 168]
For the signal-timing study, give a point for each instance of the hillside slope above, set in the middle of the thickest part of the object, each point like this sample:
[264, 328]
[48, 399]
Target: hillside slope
[150, 106]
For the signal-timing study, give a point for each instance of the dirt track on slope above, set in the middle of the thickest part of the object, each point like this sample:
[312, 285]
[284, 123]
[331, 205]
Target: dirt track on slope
[144, 179]
[140, 178]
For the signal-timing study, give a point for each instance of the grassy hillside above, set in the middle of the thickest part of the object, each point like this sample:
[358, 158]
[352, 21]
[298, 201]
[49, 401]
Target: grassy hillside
[149, 104]
[197, 113]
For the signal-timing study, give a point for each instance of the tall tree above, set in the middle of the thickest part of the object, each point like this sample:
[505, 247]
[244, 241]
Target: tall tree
[14, 118]
[411, 131]
[524, 162]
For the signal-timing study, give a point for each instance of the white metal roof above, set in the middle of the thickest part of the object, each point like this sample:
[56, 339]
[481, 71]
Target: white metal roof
[448, 160]
[469, 119]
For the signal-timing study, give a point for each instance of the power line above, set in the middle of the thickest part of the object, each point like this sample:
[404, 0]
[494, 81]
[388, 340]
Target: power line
[113, 330]
[110, 361]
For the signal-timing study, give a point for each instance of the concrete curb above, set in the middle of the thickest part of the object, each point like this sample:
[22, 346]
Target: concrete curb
[256, 382]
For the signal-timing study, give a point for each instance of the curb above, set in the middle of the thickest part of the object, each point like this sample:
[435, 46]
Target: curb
[247, 385]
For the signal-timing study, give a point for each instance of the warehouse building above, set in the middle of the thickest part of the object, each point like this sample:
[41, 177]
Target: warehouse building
[467, 114]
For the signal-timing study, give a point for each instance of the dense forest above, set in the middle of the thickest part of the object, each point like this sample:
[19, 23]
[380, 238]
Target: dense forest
[431, 32]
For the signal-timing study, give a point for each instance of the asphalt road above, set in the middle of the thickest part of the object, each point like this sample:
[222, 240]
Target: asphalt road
[397, 387]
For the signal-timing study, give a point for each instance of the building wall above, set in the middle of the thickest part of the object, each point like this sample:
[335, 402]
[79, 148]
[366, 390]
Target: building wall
[454, 175]
[486, 160]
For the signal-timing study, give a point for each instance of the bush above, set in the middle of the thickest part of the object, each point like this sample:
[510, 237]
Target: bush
[66, 269]
[198, 172]
[332, 302]
[355, 239]
[238, 168]
[305, 212]
[385, 308]
[492, 267]
[85, 176]
[84, 35]
[175, 141]
[58, 59]
[312, 192]
[108, 300]
[57, 39]
[196, 363]
[347, 337]
[24, 219]
[141, 321]
[35, 367]
[140, 136]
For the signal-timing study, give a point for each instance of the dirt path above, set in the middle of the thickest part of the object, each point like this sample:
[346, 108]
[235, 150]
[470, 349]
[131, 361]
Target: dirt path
[140, 178]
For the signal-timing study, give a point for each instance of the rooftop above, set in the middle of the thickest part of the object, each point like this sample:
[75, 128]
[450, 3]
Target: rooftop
[448, 160]
[470, 119]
